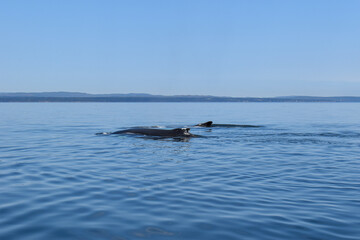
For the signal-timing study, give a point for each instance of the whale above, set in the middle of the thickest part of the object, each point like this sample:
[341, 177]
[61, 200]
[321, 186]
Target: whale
[205, 124]
[176, 132]
[183, 132]
[211, 124]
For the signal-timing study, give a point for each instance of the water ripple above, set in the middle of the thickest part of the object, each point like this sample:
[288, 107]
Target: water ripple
[282, 181]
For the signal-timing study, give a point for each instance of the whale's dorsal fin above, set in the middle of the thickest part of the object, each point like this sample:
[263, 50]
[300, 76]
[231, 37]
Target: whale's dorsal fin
[205, 124]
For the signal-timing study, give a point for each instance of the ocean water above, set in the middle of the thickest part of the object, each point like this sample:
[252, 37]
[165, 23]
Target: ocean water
[296, 177]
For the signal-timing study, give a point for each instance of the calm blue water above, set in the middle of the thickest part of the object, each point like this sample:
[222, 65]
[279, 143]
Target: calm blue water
[297, 177]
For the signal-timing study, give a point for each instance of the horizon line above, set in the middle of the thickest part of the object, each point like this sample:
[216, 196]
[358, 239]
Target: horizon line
[177, 95]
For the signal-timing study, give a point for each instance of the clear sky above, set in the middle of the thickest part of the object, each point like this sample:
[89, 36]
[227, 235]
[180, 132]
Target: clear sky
[221, 47]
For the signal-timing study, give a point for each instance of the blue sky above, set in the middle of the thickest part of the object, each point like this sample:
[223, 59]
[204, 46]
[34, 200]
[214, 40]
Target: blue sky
[223, 47]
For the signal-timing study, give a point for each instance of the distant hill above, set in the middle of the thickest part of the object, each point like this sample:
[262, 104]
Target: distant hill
[322, 99]
[144, 97]
[70, 94]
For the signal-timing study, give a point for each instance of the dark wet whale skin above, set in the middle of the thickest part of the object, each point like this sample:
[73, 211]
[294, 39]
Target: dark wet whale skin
[210, 124]
[177, 132]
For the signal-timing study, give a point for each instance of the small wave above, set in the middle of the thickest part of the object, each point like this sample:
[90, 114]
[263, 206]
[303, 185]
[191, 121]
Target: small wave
[103, 133]
[236, 125]
[321, 134]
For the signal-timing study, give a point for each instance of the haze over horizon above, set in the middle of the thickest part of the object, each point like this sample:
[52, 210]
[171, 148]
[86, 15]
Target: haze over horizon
[204, 47]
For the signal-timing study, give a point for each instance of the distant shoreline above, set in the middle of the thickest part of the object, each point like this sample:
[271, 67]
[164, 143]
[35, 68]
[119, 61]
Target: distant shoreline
[155, 98]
